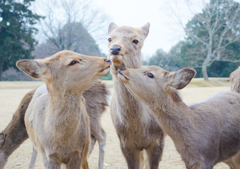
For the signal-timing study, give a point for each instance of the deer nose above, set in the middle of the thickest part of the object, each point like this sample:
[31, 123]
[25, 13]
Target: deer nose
[107, 60]
[121, 69]
[115, 50]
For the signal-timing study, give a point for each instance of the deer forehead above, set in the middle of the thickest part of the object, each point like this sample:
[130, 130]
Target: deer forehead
[63, 60]
[126, 32]
[156, 70]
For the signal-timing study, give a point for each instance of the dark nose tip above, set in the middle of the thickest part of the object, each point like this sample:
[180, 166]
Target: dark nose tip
[121, 69]
[115, 50]
[107, 60]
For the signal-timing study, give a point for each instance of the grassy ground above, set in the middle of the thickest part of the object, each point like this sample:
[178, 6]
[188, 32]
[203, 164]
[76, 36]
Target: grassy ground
[11, 94]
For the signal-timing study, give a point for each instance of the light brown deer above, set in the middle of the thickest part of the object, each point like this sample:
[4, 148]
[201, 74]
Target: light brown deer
[136, 128]
[204, 133]
[235, 80]
[15, 133]
[56, 119]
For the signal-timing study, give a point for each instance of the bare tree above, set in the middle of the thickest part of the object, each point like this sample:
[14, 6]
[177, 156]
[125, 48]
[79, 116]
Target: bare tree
[62, 18]
[210, 32]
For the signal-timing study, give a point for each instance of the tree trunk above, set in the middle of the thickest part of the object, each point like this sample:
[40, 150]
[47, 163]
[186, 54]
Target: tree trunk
[1, 67]
[204, 72]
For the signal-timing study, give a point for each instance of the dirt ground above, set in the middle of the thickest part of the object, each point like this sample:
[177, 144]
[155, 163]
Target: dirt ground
[11, 94]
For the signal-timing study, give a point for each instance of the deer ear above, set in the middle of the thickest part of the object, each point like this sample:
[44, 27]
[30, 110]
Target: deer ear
[2, 139]
[182, 77]
[32, 68]
[111, 27]
[145, 30]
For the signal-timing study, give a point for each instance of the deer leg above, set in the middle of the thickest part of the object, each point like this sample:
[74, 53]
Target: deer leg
[33, 159]
[101, 138]
[234, 162]
[84, 157]
[49, 164]
[237, 160]
[200, 165]
[143, 160]
[74, 164]
[85, 153]
[92, 143]
[132, 156]
[154, 155]
[3, 160]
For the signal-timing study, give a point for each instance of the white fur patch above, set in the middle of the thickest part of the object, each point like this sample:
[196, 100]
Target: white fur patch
[105, 71]
[122, 78]
[119, 57]
[42, 90]
[109, 99]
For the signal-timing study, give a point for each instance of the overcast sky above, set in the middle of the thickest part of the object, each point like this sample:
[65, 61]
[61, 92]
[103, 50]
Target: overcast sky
[164, 32]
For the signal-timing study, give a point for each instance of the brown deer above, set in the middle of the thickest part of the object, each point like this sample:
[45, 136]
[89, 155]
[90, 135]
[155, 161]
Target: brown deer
[235, 80]
[15, 133]
[56, 119]
[136, 128]
[204, 133]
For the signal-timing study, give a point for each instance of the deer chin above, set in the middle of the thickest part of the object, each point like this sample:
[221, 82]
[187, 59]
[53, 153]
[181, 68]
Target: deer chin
[104, 71]
[116, 59]
[122, 78]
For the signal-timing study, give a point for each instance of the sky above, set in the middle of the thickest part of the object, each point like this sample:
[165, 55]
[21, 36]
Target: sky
[164, 31]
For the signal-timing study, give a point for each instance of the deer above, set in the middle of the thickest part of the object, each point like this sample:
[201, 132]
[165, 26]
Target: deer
[141, 137]
[204, 133]
[56, 120]
[235, 80]
[15, 133]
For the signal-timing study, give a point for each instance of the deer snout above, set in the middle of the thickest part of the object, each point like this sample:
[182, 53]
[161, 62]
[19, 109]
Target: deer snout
[107, 60]
[115, 50]
[121, 69]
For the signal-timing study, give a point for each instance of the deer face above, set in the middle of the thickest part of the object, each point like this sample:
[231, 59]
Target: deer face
[154, 83]
[125, 44]
[66, 70]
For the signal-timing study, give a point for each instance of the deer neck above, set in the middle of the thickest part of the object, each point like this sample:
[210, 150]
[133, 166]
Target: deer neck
[176, 119]
[128, 107]
[64, 113]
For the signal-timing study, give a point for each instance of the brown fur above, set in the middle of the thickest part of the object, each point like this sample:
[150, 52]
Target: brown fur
[136, 128]
[15, 133]
[96, 102]
[234, 162]
[235, 80]
[204, 133]
[63, 136]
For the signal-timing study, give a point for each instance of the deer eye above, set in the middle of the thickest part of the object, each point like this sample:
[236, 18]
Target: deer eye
[109, 39]
[72, 63]
[150, 75]
[135, 41]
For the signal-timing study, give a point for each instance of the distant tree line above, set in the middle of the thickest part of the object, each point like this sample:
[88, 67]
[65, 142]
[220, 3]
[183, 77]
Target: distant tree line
[19, 26]
[212, 42]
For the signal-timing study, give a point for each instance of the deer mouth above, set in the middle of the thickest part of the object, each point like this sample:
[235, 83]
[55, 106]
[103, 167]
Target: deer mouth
[121, 76]
[116, 59]
[105, 70]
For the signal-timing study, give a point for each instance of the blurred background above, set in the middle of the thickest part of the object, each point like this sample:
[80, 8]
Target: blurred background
[204, 35]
